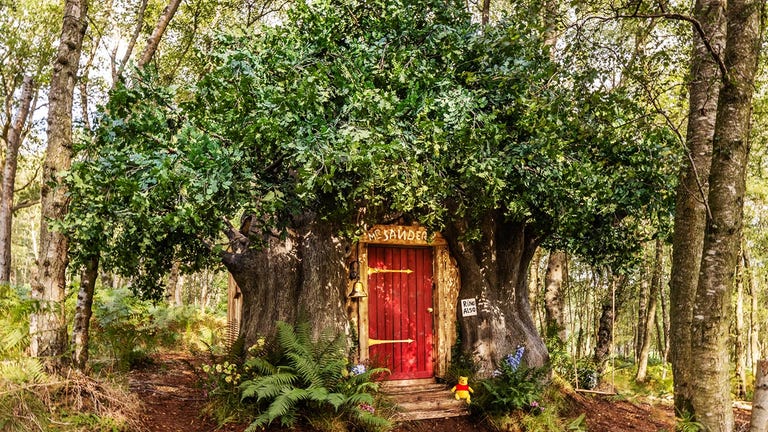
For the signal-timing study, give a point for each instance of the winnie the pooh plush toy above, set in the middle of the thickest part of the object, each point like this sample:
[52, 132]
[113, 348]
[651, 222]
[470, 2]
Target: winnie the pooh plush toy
[462, 390]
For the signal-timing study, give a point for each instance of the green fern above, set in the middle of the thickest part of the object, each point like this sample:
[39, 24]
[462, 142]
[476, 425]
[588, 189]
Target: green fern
[22, 370]
[310, 381]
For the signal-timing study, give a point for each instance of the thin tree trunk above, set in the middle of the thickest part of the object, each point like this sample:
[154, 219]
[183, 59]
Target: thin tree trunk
[173, 285]
[739, 350]
[83, 312]
[48, 326]
[692, 190]
[13, 142]
[154, 39]
[610, 310]
[642, 311]
[650, 317]
[178, 292]
[665, 329]
[131, 43]
[203, 297]
[486, 12]
[711, 397]
[534, 293]
[754, 316]
[553, 297]
[759, 420]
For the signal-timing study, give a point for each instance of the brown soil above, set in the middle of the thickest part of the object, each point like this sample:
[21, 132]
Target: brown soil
[173, 401]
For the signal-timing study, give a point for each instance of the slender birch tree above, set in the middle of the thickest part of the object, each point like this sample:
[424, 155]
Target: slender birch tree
[48, 326]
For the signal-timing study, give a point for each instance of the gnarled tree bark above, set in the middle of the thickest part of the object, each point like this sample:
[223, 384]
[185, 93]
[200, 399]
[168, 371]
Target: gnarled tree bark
[301, 277]
[494, 271]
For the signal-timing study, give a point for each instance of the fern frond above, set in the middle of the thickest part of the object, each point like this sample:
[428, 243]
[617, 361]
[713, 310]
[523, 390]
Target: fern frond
[336, 400]
[294, 341]
[23, 370]
[373, 422]
[329, 345]
[267, 386]
[307, 368]
[303, 335]
[359, 398]
[261, 366]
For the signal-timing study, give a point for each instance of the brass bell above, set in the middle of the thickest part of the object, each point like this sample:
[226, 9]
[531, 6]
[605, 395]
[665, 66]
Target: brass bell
[357, 290]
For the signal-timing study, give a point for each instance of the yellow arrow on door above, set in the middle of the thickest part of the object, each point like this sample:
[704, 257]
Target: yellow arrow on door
[372, 342]
[381, 270]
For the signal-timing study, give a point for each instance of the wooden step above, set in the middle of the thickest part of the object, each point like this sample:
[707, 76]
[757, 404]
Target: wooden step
[425, 400]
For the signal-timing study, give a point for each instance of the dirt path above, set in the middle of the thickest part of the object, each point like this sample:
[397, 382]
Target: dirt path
[173, 402]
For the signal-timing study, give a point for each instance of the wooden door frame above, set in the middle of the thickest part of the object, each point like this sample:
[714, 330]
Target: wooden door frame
[445, 291]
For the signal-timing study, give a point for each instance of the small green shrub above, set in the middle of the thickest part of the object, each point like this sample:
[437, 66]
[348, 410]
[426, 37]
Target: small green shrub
[15, 308]
[128, 330]
[512, 387]
[122, 328]
[686, 423]
[312, 381]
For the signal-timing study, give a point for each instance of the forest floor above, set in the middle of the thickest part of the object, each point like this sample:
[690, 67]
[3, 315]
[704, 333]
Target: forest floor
[173, 401]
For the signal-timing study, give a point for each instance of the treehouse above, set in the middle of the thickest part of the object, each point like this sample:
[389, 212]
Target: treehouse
[401, 297]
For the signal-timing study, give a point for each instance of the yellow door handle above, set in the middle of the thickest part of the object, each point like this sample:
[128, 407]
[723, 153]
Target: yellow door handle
[372, 341]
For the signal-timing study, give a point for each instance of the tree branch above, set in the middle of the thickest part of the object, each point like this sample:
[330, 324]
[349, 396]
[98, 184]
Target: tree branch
[696, 25]
[24, 204]
[237, 240]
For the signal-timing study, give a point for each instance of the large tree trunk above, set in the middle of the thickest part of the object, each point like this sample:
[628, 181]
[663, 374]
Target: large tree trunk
[13, 141]
[302, 277]
[650, 317]
[48, 327]
[690, 209]
[554, 300]
[494, 271]
[711, 397]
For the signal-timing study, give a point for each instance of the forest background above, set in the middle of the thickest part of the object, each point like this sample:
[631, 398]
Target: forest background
[642, 46]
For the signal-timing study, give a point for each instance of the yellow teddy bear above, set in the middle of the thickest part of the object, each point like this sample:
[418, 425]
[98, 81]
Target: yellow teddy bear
[463, 390]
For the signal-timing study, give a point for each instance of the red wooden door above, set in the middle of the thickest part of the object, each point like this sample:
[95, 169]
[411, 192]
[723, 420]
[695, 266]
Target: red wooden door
[400, 309]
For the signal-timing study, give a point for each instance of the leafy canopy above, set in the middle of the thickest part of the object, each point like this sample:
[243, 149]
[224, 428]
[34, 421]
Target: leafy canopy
[398, 107]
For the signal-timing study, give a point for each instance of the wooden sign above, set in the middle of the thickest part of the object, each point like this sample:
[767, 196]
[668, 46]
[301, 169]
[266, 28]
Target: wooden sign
[468, 307]
[408, 235]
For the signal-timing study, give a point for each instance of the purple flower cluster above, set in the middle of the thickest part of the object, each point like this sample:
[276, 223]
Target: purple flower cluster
[513, 360]
[535, 408]
[358, 369]
[367, 407]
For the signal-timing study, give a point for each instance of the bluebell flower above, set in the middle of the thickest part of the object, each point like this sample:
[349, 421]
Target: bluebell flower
[358, 369]
[513, 360]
